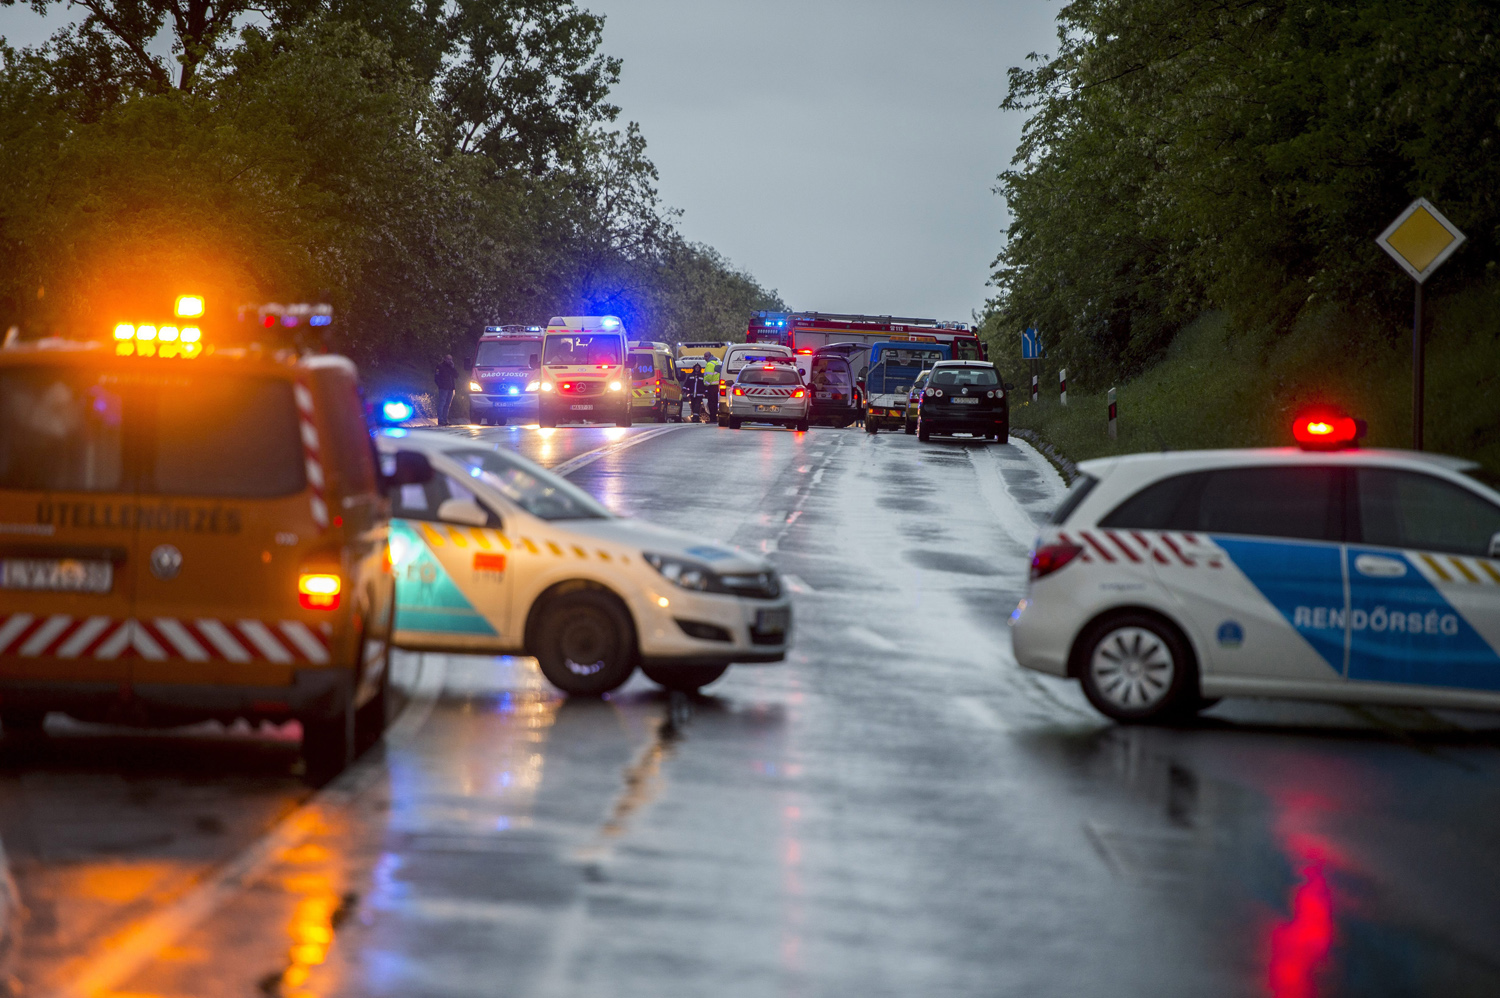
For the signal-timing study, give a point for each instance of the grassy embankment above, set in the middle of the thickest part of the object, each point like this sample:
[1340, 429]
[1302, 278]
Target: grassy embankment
[1217, 390]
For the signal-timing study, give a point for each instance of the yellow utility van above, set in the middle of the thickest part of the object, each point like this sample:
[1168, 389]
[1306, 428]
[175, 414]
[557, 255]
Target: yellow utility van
[191, 532]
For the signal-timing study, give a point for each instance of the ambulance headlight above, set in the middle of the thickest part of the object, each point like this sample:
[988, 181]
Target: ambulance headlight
[614, 386]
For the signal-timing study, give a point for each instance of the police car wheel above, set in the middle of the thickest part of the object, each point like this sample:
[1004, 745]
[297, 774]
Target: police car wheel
[686, 678]
[585, 644]
[801, 426]
[1135, 668]
[734, 423]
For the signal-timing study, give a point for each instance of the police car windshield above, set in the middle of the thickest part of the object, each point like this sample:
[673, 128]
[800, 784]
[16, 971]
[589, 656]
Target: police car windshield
[981, 377]
[540, 493]
[509, 353]
[592, 349]
[776, 376]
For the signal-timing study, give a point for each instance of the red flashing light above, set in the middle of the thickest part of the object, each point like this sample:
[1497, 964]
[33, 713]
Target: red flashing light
[567, 384]
[1326, 430]
[268, 321]
[768, 367]
[1050, 557]
[804, 350]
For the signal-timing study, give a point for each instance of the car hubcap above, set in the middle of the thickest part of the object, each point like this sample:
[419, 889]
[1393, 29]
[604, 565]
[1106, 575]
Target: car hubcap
[586, 645]
[1132, 668]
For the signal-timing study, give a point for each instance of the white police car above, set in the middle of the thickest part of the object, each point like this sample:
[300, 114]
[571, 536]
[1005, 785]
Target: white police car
[497, 555]
[1165, 581]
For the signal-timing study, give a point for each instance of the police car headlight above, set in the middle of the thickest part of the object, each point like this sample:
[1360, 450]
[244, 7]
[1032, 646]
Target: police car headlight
[701, 578]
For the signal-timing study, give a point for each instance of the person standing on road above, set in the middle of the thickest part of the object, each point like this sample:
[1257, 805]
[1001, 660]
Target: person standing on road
[694, 387]
[446, 377]
[711, 386]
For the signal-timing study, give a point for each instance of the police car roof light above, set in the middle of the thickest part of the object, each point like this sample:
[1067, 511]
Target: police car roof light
[1326, 430]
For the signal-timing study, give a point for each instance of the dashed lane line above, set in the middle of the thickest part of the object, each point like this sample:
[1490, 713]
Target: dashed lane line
[572, 464]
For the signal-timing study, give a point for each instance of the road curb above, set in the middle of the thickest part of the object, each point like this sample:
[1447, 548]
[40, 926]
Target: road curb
[1061, 462]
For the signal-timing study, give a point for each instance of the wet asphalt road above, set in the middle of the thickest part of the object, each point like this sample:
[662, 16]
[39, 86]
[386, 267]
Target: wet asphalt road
[897, 810]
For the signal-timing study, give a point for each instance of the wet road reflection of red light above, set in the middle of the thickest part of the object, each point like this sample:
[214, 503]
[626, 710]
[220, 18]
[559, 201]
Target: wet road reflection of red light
[1301, 943]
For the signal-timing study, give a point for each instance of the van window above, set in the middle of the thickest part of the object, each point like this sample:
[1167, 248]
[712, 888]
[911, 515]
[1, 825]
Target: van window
[829, 373]
[59, 431]
[1405, 509]
[642, 365]
[582, 348]
[230, 437]
[521, 354]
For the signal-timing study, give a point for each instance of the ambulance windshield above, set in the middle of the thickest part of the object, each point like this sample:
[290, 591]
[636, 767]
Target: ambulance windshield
[538, 492]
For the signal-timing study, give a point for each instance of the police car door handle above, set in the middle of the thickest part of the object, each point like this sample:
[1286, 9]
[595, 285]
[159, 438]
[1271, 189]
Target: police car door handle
[1379, 567]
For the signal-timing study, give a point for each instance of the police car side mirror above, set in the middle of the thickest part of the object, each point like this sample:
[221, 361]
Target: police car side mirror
[407, 468]
[1495, 546]
[464, 511]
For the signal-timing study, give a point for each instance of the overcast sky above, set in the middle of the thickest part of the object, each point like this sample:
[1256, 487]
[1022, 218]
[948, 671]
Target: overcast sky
[842, 151]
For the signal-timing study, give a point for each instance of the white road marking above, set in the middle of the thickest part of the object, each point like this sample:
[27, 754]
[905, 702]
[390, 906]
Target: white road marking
[123, 955]
[792, 490]
[572, 464]
[796, 584]
[869, 638]
[767, 546]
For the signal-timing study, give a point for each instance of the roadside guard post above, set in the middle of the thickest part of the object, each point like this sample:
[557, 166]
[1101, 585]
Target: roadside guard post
[1113, 433]
[1062, 384]
[1420, 240]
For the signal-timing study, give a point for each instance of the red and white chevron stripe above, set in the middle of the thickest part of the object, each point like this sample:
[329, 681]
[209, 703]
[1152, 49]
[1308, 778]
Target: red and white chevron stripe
[311, 452]
[774, 391]
[161, 638]
[1174, 548]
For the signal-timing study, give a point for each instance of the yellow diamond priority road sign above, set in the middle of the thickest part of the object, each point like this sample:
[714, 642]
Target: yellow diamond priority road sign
[1421, 239]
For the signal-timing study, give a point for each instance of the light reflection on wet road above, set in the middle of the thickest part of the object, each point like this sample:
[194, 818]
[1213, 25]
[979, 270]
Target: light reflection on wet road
[896, 810]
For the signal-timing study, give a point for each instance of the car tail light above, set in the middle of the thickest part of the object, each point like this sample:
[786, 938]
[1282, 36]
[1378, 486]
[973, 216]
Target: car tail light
[739, 391]
[798, 393]
[318, 590]
[1050, 557]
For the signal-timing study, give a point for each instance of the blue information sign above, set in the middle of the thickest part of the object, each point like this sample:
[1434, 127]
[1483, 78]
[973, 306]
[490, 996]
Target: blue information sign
[1031, 344]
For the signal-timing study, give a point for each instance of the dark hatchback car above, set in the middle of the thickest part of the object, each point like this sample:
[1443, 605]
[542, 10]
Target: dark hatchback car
[964, 396]
[835, 398]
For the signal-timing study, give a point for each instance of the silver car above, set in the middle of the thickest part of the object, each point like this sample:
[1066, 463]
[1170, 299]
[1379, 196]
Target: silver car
[768, 393]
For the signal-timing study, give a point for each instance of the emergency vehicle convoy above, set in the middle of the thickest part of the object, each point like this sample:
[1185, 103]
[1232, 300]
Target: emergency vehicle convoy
[505, 380]
[1165, 581]
[497, 555]
[584, 378]
[190, 530]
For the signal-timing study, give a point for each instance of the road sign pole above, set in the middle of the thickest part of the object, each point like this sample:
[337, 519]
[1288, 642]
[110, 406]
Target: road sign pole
[1418, 371]
[1113, 433]
[1062, 384]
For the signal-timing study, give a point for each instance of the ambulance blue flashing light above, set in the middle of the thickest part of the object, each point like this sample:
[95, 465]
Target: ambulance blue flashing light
[397, 410]
[609, 322]
[320, 320]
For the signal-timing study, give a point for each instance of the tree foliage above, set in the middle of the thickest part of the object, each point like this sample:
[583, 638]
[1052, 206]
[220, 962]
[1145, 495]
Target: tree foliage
[1240, 154]
[431, 167]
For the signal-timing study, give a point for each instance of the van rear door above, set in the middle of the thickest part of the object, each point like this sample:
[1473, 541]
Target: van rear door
[227, 520]
[67, 526]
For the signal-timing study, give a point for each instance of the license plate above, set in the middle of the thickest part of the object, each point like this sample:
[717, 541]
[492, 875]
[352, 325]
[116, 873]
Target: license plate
[580, 407]
[773, 620]
[57, 575]
[965, 401]
[768, 408]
